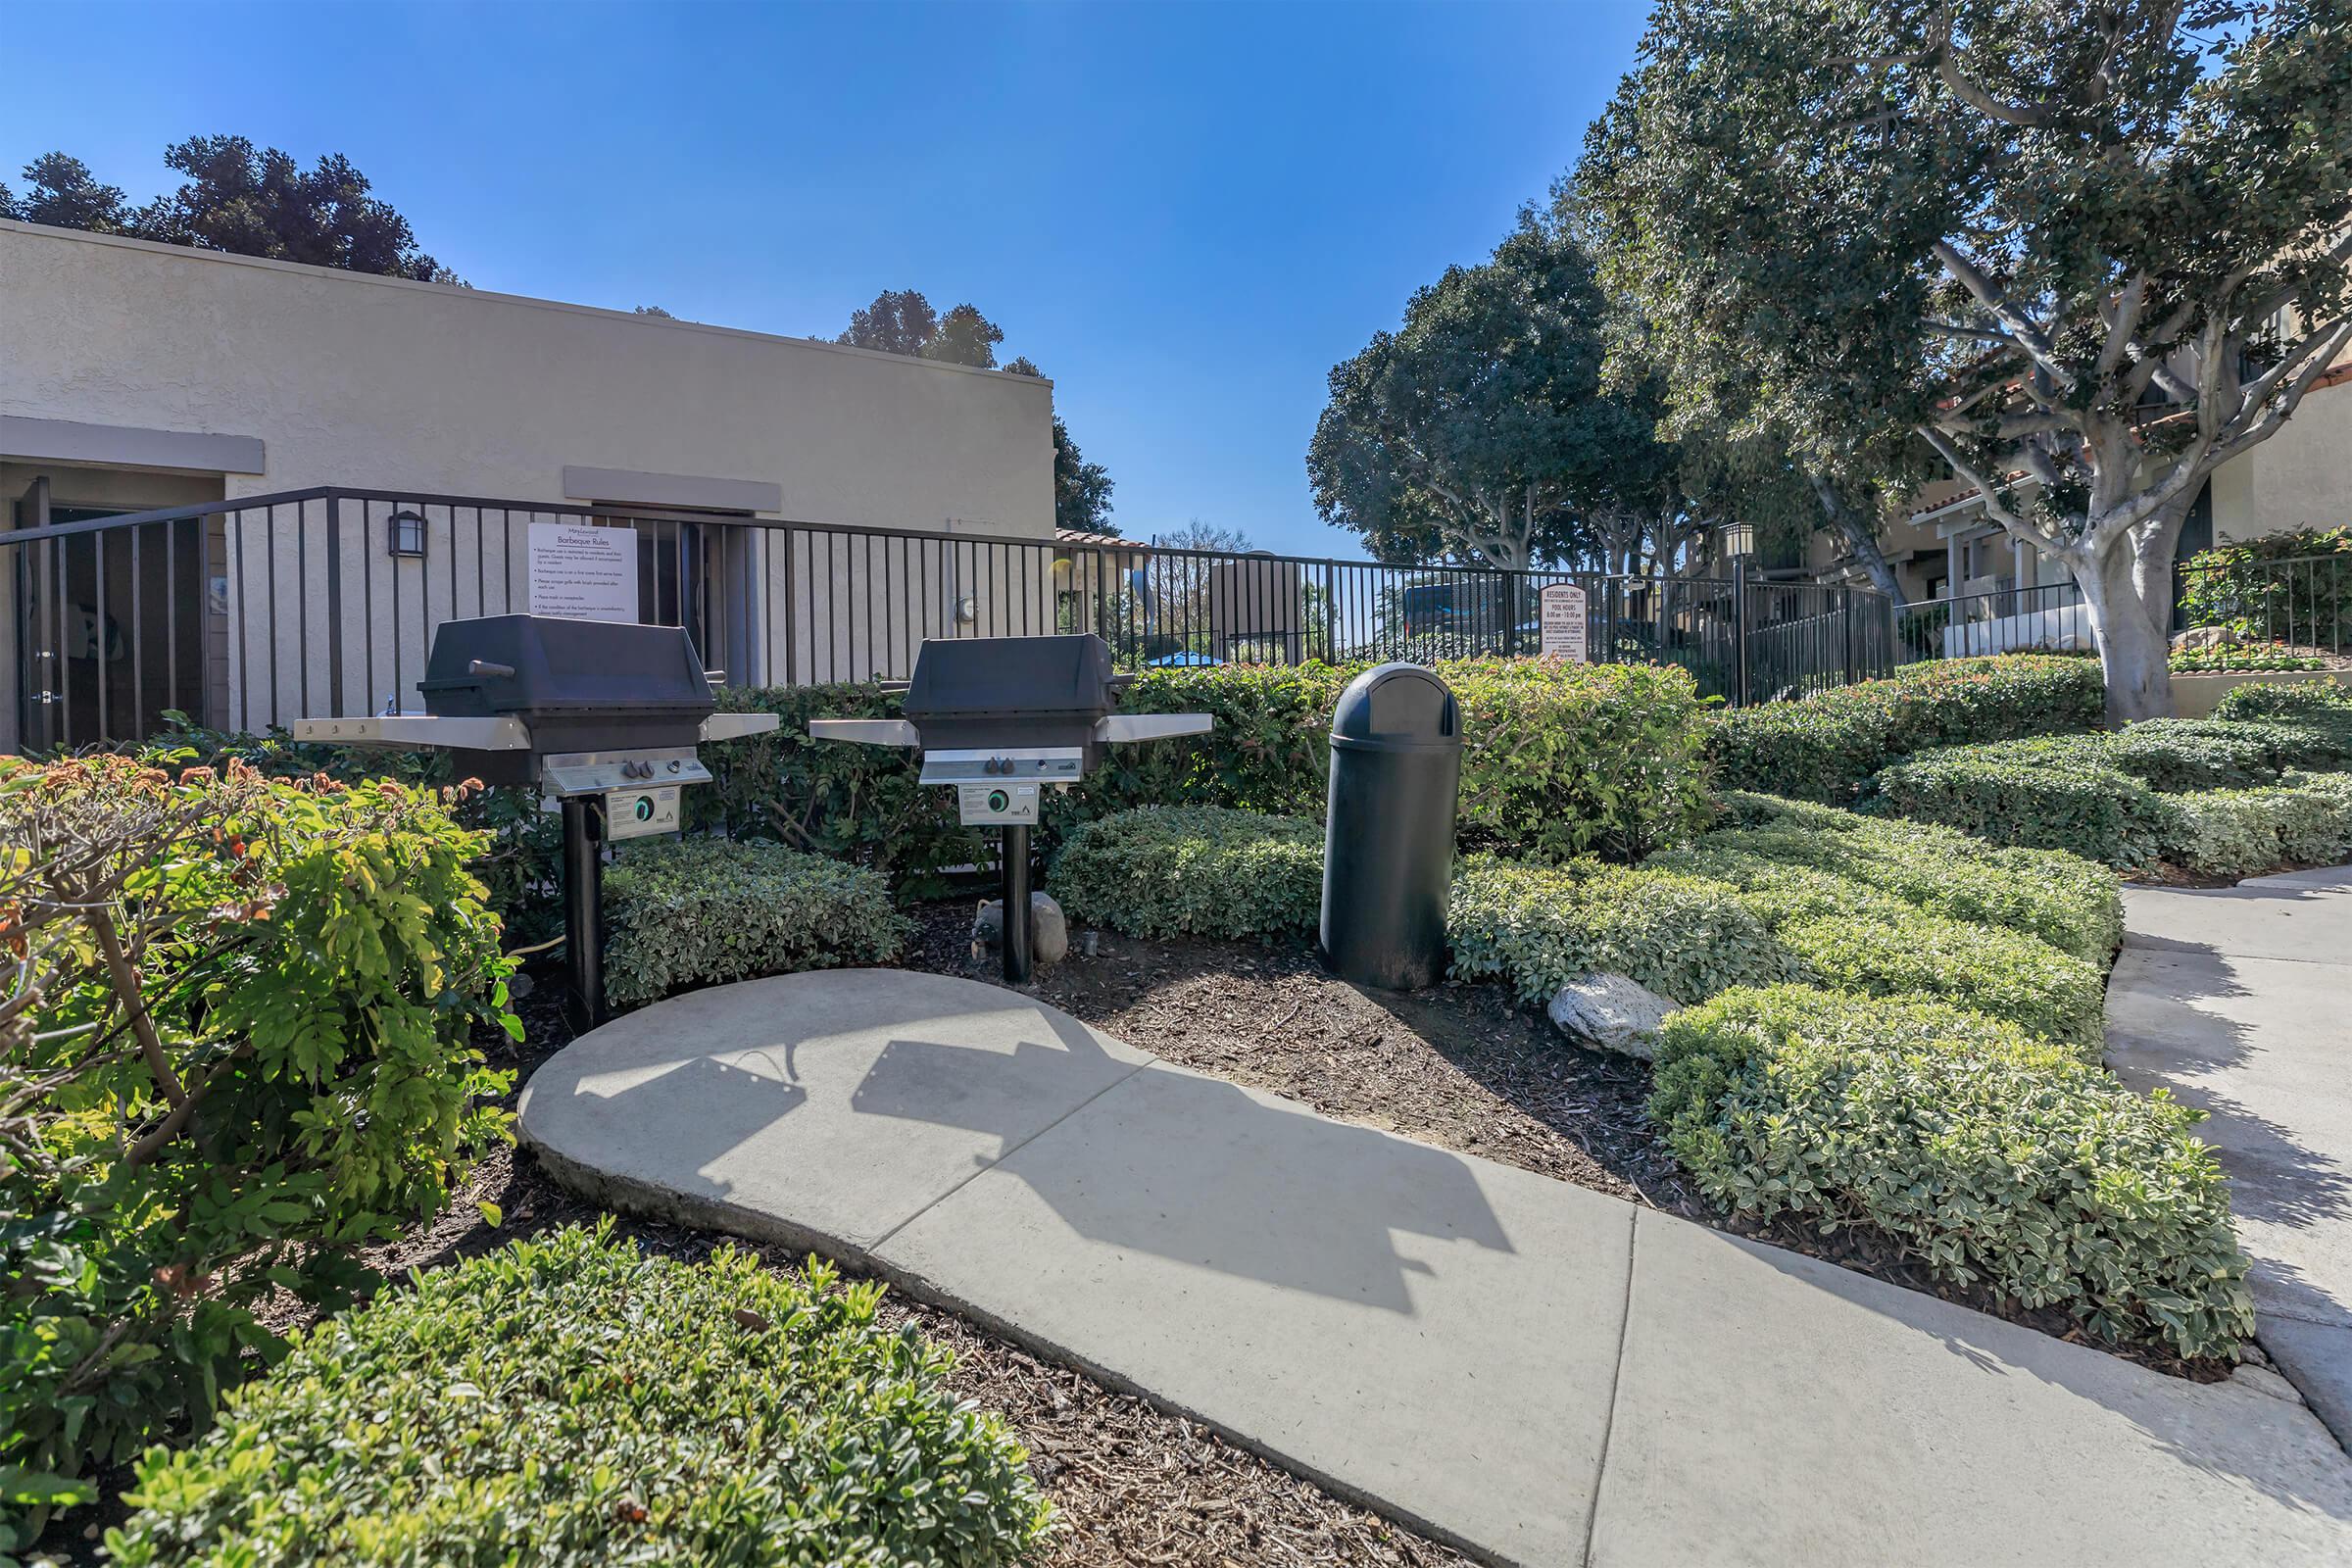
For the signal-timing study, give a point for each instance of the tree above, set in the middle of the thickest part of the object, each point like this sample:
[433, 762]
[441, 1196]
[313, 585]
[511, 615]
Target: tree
[655, 311]
[899, 321]
[965, 337]
[240, 199]
[1467, 433]
[2086, 255]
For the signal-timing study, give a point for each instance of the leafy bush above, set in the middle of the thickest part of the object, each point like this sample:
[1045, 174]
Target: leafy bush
[2049, 795]
[235, 1046]
[1193, 870]
[573, 1401]
[2245, 587]
[683, 912]
[2173, 755]
[2286, 700]
[2067, 901]
[2307, 821]
[1540, 926]
[521, 859]
[1998, 1159]
[2004, 973]
[1827, 747]
[2241, 657]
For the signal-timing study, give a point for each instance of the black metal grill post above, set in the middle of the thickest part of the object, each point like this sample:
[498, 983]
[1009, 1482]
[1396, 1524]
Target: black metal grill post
[583, 909]
[1014, 852]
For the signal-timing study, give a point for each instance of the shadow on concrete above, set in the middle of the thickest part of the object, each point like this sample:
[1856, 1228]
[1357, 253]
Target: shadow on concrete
[1200, 1171]
[2189, 1429]
[733, 1105]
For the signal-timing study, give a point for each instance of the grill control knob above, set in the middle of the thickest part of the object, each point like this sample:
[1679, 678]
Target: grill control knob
[673, 764]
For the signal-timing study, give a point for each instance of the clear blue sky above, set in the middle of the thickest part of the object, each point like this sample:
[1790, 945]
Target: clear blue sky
[1185, 214]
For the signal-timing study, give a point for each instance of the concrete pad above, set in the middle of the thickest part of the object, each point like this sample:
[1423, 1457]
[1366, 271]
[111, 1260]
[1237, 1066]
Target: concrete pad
[2318, 1360]
[2326, 878]
[1399, 1322]
[1775, 1410]
[820, 1109]
[2275, 917]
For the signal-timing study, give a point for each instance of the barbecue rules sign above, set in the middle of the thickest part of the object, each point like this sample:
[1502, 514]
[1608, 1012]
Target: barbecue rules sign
[583, 573]
[1562, 626]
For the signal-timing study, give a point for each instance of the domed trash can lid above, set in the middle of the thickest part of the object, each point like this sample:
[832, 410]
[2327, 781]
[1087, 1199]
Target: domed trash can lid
[1397, 708]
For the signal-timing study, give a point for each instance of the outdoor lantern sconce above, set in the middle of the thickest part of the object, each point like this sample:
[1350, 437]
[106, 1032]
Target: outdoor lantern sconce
[1738, 539]
[407, 532]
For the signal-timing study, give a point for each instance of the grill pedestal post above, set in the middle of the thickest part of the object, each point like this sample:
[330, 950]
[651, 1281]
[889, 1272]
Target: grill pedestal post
[1014, 853]
[583, 910]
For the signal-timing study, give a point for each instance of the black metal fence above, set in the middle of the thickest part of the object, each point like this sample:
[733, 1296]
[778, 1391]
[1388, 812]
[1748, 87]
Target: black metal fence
[2302, 601]
[2048, 619]
[252, 612]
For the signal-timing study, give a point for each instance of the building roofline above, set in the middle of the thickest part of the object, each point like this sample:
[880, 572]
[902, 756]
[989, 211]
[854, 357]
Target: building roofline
[459, 291]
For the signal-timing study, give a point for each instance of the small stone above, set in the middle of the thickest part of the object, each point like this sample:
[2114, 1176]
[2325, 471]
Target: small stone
[519, 986]
[1049, 928]
[2261, 1379]
[2206, 637]
[1612, 1013]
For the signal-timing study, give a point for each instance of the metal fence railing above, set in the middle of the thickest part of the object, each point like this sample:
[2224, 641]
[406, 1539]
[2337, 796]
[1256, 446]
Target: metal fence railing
[252, 612]
[2049, 618]
[2303, 600]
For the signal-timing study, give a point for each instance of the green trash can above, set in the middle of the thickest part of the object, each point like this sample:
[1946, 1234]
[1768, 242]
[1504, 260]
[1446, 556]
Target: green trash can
[1388, 835]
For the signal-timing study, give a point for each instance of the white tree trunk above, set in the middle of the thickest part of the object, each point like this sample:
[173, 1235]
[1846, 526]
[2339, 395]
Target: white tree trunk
[2128, 623]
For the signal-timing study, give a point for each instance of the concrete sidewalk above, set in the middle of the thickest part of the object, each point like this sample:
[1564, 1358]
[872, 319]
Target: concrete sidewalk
[2239, 1001]
[1534, 1371]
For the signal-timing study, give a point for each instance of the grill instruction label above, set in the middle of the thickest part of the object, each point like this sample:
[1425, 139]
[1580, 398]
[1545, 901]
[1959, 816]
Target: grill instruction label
[583, 573]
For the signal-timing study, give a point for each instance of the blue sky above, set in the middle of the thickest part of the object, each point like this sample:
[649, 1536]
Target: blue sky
[1185, 214]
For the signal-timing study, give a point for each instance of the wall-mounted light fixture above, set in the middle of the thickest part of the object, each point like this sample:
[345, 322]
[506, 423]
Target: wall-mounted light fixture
[406, 532]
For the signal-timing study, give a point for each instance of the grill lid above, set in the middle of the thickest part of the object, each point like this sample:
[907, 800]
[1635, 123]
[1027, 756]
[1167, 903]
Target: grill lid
[542, 667]
[1010, 677]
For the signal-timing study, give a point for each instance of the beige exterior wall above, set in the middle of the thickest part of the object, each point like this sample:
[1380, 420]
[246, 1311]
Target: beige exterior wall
[2299, 478]
[381, 383]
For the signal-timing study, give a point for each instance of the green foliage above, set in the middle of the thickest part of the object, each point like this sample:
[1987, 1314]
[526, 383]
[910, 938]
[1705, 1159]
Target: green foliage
[2007, 974]
[1539, 928]
[2241, 657]
[2293, 701]
[1998, 1159]
[1192, 870]
[521, 862]
[683, 912]
[2052, 795]
[1827, 747]
[2250, 586]
[576, 1402]
[235, 1047]
[2305, 821]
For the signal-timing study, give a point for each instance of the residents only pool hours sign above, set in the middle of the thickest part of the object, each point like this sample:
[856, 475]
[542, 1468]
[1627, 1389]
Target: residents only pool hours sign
[583, 573]
[1562, 623]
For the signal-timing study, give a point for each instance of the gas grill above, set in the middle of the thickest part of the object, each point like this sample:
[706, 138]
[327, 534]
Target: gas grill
[1000, 720]
[604, 716]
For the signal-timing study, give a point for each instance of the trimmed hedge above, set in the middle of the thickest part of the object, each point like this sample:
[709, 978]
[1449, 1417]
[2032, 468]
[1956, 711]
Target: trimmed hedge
[2286, 700]
[2003, 973]
[1192, 870]
[2052, 795]
[2305, 821]
[569, 1401]
[683, 912]
[1999, 1160]
[1540, 926]
[1827, 747]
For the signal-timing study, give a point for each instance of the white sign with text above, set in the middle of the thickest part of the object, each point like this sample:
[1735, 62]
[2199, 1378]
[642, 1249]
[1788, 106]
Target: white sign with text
[1563, 622]
[583, 573]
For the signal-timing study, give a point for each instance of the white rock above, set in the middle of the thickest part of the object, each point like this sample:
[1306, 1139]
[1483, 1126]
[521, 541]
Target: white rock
[1612, 1013]
[1049, 927]
[2205, 637]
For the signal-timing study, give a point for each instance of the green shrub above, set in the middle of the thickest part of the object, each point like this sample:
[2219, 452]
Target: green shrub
[1998, 1159]
[1540, 926]
[2061, 899]
[569, 1401]
[2004, 973]
[2047, 795]
[1192, 870]
[2307, 821]
[682, 913]
[2286, 700]
[236, 1047]
[1827, 747]
[2236, 657]
[2242, 585]
[2175, 754]
[1557, 759]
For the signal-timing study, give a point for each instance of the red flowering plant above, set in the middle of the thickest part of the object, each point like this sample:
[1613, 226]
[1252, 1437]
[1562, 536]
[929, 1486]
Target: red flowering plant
[235, 1016]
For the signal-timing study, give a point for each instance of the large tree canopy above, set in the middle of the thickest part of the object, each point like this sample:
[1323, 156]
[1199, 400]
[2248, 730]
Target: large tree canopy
[1471, 431]
[2086, 253]
[238, 198]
